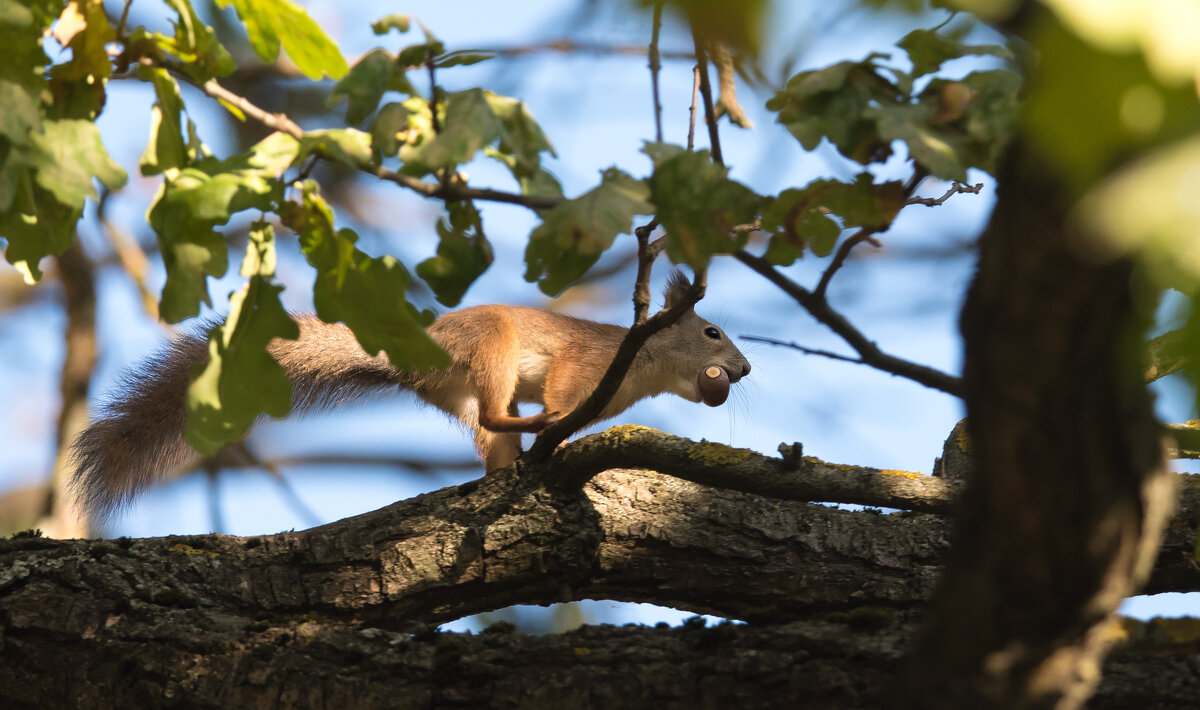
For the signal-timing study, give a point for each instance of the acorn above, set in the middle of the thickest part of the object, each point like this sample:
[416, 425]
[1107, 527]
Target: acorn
[713, 383]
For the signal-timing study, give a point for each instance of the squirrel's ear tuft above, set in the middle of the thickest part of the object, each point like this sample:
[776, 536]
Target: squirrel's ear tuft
[677, 288]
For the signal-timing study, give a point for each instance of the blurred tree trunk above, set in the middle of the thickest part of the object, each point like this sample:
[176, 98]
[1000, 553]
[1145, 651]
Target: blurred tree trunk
[1069, 496]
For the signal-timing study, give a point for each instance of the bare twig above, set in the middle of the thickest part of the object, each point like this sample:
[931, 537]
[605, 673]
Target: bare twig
[866, 234]
[801, 348]
[120, 31]
[710, 116]
[645, 260]
[451, 191]
[571, 46]
[955, 188]
[655, 66]
[691, 138]
[591, 408]
[820, 309]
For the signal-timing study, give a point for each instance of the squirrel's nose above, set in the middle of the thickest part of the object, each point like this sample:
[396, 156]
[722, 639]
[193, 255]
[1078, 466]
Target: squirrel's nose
[739, 374]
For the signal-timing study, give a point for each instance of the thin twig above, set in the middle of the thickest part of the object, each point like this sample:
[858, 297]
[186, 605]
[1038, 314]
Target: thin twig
[872, 356]
[710, 114]
[645, 260]
[843, 252]
[655, 66]
[955, 188]
[866, 234]
[433, 95]
[801, 348]
[570, 46]
[120, 32]
[634, 339]
[451, 191]
[691, 139]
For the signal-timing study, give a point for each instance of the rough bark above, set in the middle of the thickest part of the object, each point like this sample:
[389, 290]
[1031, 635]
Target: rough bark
[324, 616]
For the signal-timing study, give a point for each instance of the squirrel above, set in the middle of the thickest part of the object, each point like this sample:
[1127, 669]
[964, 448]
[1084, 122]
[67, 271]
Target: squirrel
[500, 355]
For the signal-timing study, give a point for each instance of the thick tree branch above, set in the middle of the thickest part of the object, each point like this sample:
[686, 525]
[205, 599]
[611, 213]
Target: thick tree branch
[281, 661]
[820, 309]
[231, 618]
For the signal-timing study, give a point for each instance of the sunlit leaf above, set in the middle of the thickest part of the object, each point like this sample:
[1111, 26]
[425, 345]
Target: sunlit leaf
[348, 146]
[241, 381]
[365, 293]
[68, 155]
[270, 22]
[463, 254]
[166, 148]
[468, 125]
[194, 200]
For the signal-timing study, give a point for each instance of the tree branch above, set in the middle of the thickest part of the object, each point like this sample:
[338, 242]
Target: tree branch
[820, 309]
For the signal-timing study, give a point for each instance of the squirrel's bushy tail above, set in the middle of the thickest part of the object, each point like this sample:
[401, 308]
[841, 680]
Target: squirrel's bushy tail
[137, 438]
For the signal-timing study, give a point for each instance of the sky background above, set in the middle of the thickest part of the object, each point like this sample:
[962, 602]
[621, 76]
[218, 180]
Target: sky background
[597, 112]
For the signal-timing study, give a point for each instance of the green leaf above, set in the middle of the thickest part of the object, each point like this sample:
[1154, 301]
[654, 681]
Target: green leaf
[463, 57]
[22, 112]
[574, 234]
[937, 151]
[391, 120]
[196, 45]
[68, 154]
[698, 206]
[367, 294]
[387, 23]
[36, 225]
[928, 49]
[520, 135]
[269, 22]
[241, 380]
[89, 53]
[166, 149]
[832, 103]
[194, 200]
[469, 125]
[348, 146]
[463, 254]
[364, 85]
[801, 218]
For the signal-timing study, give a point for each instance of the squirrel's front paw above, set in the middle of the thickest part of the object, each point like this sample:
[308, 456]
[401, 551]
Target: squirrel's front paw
[545, 419]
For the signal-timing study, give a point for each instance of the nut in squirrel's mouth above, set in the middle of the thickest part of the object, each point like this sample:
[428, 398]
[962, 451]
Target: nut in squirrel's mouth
[712, 383]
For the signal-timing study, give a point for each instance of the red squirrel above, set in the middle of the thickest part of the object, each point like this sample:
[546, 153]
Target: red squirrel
[500, 355]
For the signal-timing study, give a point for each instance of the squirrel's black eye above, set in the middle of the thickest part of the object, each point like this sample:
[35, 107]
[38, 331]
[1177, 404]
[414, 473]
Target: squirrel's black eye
[712, 333]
